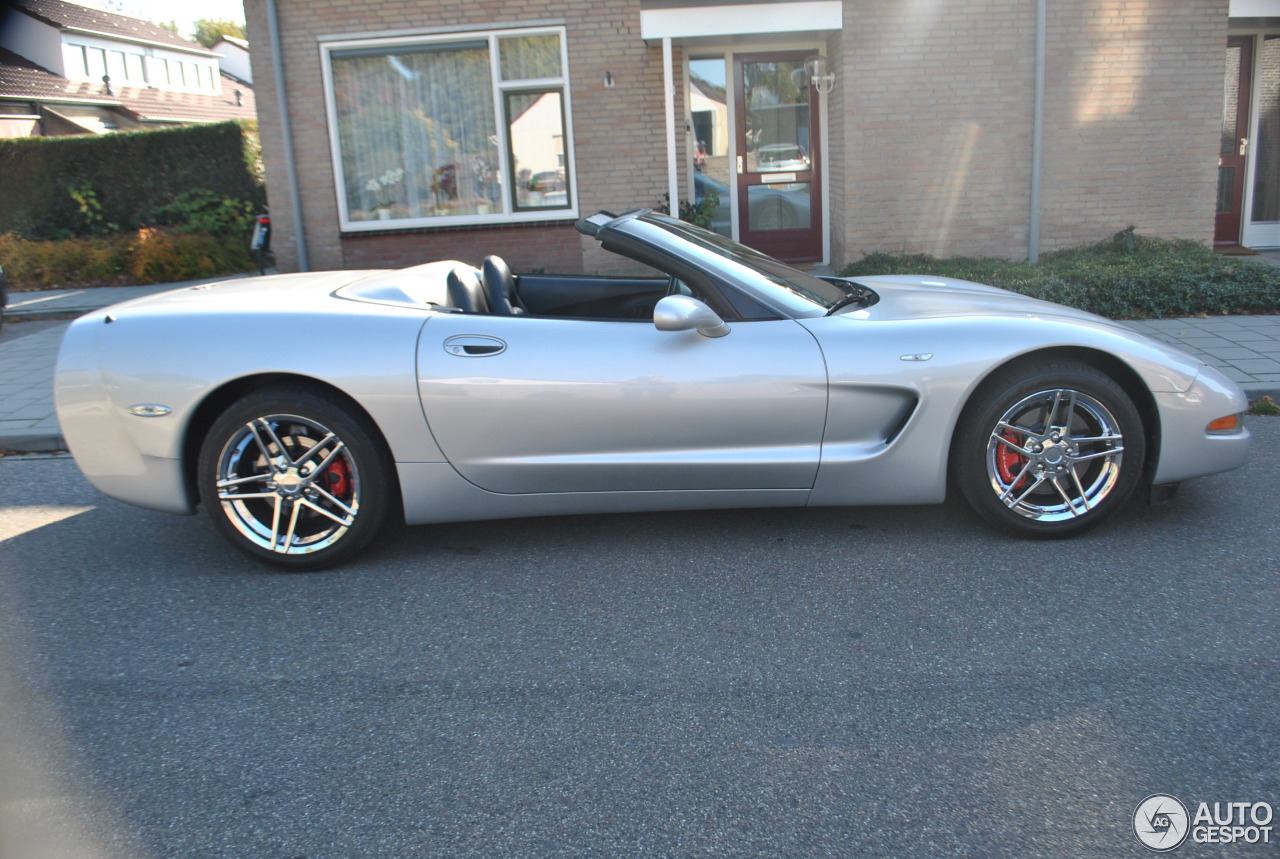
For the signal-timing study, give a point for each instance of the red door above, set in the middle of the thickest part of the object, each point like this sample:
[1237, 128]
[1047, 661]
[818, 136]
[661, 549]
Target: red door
[779, 188]
[1234, 146]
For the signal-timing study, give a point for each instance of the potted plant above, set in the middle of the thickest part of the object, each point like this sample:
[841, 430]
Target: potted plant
[380, 187]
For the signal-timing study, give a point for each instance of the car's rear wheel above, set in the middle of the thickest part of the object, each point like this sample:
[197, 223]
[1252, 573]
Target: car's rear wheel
[1049, 449]
[294, 478]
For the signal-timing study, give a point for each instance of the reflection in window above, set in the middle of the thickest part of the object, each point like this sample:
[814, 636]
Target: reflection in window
[77, 63]
[536, 130]
[709, 120]
[416, 128]
[1230, 102]
[779, 207]
[526, 58]
[97, 61]
[133, 70]
[1266, 183]
[411, 124]
[777, 120]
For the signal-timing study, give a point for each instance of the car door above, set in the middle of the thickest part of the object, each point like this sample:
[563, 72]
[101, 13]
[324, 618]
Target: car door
[523, 404]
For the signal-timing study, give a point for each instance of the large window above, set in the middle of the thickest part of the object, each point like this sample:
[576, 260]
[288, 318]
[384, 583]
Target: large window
[458, 129]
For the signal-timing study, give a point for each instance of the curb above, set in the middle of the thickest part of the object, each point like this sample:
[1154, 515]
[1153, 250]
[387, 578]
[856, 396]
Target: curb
[31, 442]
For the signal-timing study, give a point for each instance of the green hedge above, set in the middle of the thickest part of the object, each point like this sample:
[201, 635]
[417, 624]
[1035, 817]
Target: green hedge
[151, 255]
[55, 188]
[1125, 277]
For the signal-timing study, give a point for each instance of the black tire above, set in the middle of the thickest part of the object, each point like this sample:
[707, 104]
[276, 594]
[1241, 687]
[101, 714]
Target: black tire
[1048, 448]
[296, 479]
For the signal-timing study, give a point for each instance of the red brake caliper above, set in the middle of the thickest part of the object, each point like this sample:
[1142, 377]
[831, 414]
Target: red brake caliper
[338, 477]
[1009, 463]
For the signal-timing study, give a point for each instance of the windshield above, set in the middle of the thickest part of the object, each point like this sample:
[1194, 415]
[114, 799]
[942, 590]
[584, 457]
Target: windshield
[797, 291]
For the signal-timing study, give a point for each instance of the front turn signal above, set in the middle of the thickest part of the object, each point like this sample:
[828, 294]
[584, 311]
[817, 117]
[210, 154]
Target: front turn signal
[1230, 423]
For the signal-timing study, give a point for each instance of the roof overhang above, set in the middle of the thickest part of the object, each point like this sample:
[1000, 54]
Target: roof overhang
[685, 24]
[79, 122]
[54, 99]
[136, 40]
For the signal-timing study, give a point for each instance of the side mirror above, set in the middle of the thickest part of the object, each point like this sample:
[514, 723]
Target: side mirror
[682, 313]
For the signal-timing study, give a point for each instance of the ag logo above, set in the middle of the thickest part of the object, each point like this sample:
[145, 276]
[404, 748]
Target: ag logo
[1160, 822]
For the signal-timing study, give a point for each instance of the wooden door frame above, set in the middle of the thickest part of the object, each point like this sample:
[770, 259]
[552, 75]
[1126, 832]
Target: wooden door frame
[1228, 226]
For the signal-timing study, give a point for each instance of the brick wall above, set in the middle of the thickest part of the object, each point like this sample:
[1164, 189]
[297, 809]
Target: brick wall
[619, 132]
[1132, 115]
[937, 124]
[929, 126]
[554, 249]
[842, 197]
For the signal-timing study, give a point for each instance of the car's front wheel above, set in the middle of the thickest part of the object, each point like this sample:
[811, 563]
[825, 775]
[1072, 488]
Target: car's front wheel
[1049, 449]
[295, 478]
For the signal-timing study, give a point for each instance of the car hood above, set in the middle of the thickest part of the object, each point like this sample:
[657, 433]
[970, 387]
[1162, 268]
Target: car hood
[924, 297]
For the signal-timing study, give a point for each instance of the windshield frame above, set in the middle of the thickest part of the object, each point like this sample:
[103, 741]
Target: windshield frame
[789, 291]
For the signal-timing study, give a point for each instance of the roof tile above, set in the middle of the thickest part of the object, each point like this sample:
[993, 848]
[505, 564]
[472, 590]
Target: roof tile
[22, 79]
[63, 15]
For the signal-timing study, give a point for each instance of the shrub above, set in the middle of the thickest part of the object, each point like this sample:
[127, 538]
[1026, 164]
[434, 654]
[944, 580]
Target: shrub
[1124, 277]
[151, 255]
[204, 211]
[700, 214]
[161, 255]
[69, 186]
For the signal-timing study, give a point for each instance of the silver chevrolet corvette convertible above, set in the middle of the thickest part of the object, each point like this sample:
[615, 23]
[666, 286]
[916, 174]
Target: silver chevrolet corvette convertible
[307, 411]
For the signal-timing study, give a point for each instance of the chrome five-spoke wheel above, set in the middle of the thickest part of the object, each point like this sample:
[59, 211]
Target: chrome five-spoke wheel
[1049, 450]
[1055, 455]
[290, 478]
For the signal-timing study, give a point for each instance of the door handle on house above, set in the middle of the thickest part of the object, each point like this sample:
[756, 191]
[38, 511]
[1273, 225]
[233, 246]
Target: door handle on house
[739, 165]
[1244, 145]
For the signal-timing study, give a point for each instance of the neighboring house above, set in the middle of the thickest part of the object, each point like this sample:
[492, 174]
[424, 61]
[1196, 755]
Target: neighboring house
[233, 56]
[67, 69]
[937, 126]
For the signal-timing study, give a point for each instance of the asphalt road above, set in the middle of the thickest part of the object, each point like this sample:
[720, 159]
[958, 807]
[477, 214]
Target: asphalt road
[842, 682]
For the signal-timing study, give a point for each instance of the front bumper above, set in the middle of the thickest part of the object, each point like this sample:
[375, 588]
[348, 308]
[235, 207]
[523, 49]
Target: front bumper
[1187, 448]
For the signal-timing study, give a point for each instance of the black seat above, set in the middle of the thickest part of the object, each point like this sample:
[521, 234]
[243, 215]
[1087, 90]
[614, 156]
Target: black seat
[465, 291]
[500, 286]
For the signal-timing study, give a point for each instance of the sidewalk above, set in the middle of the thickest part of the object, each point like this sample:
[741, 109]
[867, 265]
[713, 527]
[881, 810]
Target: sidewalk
[1246, 348]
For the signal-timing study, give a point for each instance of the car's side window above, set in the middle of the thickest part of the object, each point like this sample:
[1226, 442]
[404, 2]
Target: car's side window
[592, 297]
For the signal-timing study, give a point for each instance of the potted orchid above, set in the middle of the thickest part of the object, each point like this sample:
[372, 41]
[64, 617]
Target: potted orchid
[381, 187]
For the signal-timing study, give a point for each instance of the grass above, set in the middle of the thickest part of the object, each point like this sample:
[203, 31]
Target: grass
[1125, 277]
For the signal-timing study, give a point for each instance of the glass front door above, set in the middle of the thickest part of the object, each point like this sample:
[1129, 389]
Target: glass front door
[776, 168]
[1262, 229]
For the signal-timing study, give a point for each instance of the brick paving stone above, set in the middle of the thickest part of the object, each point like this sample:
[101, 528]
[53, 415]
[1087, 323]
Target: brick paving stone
[1257, 365]
[1229, 352]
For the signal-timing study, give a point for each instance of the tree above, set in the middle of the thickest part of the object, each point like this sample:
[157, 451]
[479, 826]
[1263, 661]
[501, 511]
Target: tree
[210, 30]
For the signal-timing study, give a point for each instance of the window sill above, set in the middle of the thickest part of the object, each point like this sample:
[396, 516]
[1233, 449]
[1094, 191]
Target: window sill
[442, 225]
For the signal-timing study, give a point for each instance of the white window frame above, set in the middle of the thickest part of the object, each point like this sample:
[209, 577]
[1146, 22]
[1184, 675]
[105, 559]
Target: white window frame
[507, 215]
